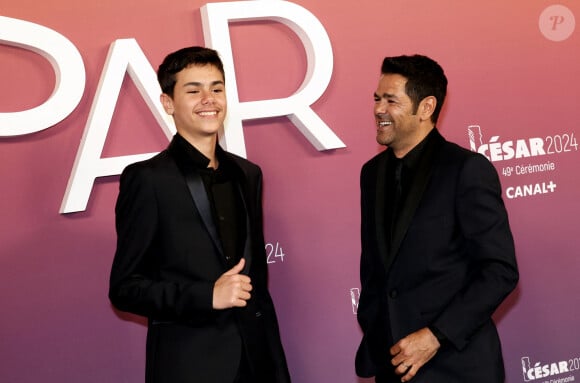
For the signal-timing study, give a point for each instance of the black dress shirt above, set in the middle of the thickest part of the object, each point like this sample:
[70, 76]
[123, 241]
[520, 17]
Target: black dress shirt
[222, 186]
[400, 173]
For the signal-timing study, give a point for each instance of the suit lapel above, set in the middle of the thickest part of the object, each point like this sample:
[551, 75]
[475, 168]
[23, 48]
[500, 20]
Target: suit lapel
[248, 240]
[199, 195]
[177, 149]
[418, 186]
[380, 196]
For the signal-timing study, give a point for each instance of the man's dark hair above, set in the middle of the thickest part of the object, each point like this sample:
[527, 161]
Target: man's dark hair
[424, 78]
[177, 61]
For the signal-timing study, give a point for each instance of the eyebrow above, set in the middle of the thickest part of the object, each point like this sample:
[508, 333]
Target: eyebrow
[384, 95]
[196, 83]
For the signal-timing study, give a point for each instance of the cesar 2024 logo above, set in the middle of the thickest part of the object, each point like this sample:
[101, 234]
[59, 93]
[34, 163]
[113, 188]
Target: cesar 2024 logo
[524, 150]
[539, 370]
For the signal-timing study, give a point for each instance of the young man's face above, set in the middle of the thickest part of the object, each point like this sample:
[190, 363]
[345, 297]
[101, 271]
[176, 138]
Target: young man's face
[198, 105]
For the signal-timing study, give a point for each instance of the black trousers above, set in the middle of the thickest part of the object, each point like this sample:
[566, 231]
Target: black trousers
[244, 372]
[387, 375]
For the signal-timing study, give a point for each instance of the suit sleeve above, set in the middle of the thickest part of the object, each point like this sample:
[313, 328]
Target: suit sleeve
[483, 222]
[134, 284]
[260, 278]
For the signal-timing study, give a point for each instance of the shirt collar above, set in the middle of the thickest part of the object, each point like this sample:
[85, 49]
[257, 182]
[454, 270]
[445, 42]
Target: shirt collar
[198, 160]
[411, 159]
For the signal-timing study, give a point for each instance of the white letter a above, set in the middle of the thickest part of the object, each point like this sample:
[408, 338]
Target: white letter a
[124, 56]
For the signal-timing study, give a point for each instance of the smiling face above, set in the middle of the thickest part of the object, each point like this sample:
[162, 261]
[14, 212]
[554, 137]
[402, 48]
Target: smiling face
[399, 124]
[198, 105]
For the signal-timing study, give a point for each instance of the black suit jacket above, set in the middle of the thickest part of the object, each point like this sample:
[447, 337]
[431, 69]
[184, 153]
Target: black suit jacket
[451, 264]
[167, 260]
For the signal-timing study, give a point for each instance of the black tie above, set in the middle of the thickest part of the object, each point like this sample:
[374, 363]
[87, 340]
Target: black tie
[398, 183]
[398, 190]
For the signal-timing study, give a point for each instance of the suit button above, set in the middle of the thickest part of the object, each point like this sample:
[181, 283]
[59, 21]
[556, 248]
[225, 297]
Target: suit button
[393, 294]
[258, 314]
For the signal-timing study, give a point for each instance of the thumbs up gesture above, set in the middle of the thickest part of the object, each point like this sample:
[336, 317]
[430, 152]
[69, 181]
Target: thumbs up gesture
[232, 289]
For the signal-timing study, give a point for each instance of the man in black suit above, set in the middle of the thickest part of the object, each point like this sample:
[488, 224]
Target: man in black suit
[190, 247]
[437, 251]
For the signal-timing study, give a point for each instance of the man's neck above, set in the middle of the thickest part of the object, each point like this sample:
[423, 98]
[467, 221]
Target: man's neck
[416, 140]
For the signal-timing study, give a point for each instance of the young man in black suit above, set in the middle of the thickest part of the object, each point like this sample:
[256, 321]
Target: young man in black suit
[437, 251]
[190, 247]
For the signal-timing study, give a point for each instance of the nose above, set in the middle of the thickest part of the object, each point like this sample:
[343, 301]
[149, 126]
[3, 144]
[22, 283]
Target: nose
[207, 97]
[380, 108]
[381, 114]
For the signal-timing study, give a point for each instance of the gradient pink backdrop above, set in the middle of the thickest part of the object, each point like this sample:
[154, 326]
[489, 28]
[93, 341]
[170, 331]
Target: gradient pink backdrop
[56, 322]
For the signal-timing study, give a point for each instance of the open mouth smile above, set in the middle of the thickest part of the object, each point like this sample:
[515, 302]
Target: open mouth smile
[207, 114]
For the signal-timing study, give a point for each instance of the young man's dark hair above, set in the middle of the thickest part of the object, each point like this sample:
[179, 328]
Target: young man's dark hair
[181, 59]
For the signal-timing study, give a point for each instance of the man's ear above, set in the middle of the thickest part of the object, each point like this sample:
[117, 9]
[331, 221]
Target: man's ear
[167, 103]
[427, 107]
